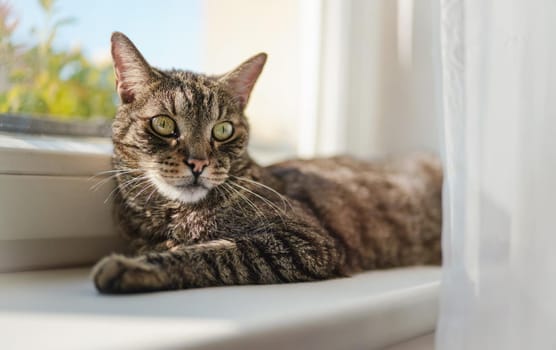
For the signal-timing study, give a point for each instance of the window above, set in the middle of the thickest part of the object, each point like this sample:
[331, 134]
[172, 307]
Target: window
[342, 77]
[57, 64]
[57, 53]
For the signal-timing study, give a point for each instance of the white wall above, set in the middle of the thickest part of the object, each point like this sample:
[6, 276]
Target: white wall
[236, 30]
[407, 98]
[337, 79]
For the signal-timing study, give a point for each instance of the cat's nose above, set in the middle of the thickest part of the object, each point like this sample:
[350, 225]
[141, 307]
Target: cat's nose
[197, 165]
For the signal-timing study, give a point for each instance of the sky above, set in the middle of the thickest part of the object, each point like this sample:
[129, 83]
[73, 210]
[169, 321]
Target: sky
[168, 32]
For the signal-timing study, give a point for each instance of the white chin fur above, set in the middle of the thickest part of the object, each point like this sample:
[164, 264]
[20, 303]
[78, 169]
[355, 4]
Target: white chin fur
[186, 195]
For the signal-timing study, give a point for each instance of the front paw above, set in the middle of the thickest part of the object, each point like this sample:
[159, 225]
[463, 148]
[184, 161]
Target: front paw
[119, 274]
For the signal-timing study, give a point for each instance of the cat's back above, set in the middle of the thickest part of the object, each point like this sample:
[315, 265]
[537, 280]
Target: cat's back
[379, 203]
[350, 174]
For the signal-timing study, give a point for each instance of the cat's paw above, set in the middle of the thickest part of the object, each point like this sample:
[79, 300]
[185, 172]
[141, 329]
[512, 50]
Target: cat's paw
[120, 274]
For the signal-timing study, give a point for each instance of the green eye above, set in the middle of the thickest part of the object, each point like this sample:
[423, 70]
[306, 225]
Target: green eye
[223, 131]
[163, 125]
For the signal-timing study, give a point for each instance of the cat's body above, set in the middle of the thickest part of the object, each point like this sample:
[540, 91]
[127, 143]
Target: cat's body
[200, 212]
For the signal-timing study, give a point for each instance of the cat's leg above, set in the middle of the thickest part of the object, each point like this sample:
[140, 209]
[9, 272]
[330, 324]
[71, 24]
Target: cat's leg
[253, 259]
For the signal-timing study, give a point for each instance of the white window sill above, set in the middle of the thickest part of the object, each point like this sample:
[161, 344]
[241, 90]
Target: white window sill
[50, 155]
[50, 217]
[59, 309]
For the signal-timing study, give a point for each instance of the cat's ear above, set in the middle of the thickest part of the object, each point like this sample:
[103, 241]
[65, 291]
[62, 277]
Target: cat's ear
[131, 69]
[241, 80]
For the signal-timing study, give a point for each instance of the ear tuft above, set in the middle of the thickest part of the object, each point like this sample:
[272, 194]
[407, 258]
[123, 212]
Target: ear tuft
[241, 80]
[131, 69]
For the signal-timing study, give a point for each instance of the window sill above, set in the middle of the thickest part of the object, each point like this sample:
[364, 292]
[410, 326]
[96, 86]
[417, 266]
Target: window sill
[371, 310]
[51, 155]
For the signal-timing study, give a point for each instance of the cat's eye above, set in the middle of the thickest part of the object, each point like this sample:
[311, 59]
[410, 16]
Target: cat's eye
[223, 131]
[163, 125]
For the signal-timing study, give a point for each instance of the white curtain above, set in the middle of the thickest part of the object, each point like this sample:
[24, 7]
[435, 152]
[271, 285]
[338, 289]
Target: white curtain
[499, 125]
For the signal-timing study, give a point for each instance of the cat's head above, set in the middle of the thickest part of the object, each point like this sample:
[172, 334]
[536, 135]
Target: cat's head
[186, 132]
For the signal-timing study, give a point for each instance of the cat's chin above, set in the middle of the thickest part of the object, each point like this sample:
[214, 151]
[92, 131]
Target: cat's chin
[190, 194]
[185, 194]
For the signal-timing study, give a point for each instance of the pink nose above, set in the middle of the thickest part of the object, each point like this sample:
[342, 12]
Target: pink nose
[197, 165]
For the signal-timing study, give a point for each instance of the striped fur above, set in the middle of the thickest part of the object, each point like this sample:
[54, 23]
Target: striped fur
[300, 220]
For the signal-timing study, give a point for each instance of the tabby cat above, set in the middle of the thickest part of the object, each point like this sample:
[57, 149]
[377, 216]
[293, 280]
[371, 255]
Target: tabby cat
[198, 211]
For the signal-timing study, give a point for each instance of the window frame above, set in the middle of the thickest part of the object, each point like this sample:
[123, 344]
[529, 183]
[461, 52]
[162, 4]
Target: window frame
[341, 106]
[21, 123]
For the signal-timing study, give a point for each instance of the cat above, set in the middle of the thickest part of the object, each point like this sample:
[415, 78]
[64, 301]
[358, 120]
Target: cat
[198, 211]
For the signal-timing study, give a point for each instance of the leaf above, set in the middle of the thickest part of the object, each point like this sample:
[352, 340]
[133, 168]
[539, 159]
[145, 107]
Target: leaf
[47, 5]
[45, 81]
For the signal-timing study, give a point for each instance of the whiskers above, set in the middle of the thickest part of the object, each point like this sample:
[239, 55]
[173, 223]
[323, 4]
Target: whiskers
[138, 181]
[138, 187]
[285, 202]
[247, 196]
[129, 186]
[107, 176]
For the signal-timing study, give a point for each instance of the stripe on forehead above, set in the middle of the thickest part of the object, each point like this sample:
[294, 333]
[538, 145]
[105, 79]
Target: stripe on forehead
[209, 101]
[182, 97]
[215, 108]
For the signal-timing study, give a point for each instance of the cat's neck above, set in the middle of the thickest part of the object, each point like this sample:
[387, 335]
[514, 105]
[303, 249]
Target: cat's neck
[246, 167]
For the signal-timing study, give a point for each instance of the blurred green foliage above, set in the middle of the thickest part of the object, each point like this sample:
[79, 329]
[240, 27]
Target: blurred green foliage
[39, 80]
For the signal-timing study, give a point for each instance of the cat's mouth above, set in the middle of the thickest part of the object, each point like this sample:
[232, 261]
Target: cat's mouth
[194, 184]
[185, 190]
[191, 186]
